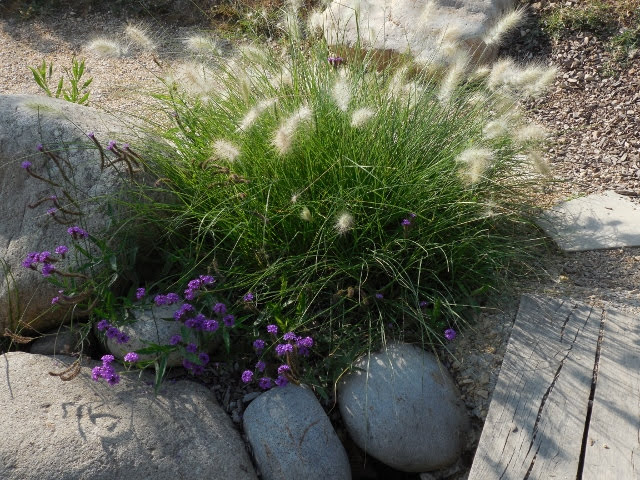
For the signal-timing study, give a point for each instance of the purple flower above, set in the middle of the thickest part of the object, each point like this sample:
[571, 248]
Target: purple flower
[423, 304]
[103, 324]
[283, 368]
[247, 376]
[272, 329]
[52, 211]
[172, 298]
[112, 332]
[379, 296]
[248, 297]
[189, 294]
[191, 348]
[204, 358]
[111, 145]
[260, 366]
[125, 146]
[47, 269]
[26, 165]
[229, 320]
[306, 342]
[107, 359]
[175, 339]
[194, 284]
[55, 300]
[210, 326]
[61, 250]
[207, 279]
[450, 334]
[113, 379]
[187, 364]
[182, 311]
[160, 300]
[30, 260]
[131, 357]
[335, 61]
[290, 336]
[220, 308]
[406, 222]
[265, 383]
[96, 373]
[77, 232]
[140, 292]
[283, 348]
[39, 147]
[122, 337]
[258, 345]
[281, 381]
[44, 257]
[91, 135]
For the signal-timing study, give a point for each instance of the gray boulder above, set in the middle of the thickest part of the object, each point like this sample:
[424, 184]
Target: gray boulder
[402, 407]
[413, 26]
[66, 430]
[152, 325]
[63, 341]
[292, 437]
[25, 122]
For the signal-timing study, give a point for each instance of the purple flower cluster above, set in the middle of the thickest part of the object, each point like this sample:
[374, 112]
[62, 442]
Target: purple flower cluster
[168, 299]
[106, 371]
[34, 258]
[292, 345]
[140, 293]
[77, 232]
[112, 332]
[131, 357]
[335, 61]
[196, 284]
[450, 334]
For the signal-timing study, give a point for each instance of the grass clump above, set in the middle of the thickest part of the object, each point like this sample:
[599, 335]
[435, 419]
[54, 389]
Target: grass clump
[356, 200]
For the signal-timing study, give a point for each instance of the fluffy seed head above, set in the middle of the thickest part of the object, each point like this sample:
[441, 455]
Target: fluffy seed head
[201, 44]
[138, 35]
[452, 79]
[305, 214]
[283, 137]
[344, 223]
[225, 150]
[546, 78]
[253, 114]
[539, 164]
[530, 133]
[500, 71]
[341, 92]
[106, 48]
[361, 116]
[315, 23]
[495, 128]
[195, 78]
[508, 22]
[475, 161]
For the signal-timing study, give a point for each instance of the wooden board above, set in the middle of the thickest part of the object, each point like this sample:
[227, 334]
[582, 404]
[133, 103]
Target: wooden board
[536, 419]
[613, 442]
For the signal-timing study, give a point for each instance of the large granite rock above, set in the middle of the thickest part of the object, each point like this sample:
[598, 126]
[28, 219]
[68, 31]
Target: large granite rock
[82, 429]
[25, 122]
[415, 26]
[402, 407]
[292, 437]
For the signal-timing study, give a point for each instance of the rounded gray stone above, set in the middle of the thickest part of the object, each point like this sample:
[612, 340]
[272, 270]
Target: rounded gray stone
[292, 437]
[25, 121]
[67, 430]
[64, 341]
[152, 325]
[402, 407]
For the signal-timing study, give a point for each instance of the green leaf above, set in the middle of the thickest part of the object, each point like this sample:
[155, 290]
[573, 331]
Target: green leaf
[59, 88]
[226, 340]
[161, 368]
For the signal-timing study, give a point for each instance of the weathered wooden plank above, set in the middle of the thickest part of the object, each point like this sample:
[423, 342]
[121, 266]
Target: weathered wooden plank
[535, 424]
[613, 441]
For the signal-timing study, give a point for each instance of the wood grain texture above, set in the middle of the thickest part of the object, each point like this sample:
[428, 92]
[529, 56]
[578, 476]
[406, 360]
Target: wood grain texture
[535, 424]
[613, 441]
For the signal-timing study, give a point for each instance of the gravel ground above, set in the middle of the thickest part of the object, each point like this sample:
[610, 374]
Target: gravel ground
[592, 111]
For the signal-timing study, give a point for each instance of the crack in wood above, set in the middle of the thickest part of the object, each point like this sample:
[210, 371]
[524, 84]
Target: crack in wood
[592, 395]
[553, 382]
